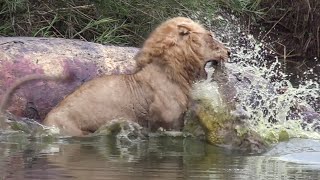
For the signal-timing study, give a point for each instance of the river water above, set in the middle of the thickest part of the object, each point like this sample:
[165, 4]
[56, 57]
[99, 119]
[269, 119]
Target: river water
[103, 157]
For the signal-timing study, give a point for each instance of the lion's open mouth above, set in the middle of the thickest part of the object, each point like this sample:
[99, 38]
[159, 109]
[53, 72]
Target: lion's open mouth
[213, 62]
[210, 63]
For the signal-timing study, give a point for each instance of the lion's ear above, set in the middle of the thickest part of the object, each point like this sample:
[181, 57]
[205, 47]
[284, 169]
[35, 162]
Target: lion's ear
[183, 29]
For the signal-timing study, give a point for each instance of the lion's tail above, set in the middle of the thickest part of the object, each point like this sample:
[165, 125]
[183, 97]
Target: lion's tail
[6, 97]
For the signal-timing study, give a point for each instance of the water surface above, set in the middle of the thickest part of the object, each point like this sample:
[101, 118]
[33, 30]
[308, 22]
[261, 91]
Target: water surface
[104, 157]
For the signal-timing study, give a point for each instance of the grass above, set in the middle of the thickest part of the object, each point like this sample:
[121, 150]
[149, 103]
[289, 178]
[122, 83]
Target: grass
[294, 26]
[60, 18]
[139, 17]
[243, 6]
[119, 22]
[127, 22]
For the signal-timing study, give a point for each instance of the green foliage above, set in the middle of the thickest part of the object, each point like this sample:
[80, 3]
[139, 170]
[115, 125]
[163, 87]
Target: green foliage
[141, 16]
[120, 22]
[8, 10]
[297, 26]
[128, 22]
[243, 6]
[59, 18]
[293, 25]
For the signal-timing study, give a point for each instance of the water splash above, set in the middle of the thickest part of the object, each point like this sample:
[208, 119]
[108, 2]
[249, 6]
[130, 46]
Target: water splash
[275, 106]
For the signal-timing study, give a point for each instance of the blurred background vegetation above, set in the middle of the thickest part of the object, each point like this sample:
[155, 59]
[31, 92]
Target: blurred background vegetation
[293, 25]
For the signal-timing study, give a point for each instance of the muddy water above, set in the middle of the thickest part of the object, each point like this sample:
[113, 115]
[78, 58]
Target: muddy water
[103, 157]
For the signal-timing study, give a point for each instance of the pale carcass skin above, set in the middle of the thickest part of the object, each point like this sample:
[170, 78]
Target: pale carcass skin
[21, 56]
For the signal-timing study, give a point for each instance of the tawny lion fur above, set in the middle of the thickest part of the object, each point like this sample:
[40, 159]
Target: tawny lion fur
[156, 95]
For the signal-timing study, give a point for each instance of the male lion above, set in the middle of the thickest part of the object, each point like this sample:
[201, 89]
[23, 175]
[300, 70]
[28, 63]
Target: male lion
[156, 95]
